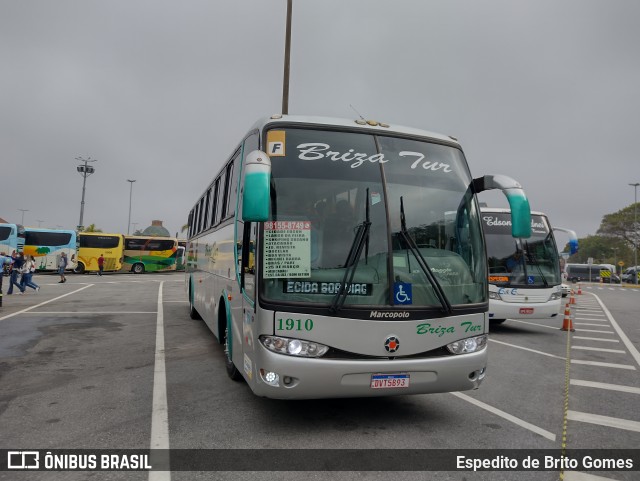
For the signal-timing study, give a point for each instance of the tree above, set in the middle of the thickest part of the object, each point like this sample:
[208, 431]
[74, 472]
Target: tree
[621, 225]
[603, 250]
[91, 228]
[184, 228]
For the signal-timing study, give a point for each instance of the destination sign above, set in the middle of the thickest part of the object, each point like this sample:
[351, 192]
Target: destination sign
[310, 287]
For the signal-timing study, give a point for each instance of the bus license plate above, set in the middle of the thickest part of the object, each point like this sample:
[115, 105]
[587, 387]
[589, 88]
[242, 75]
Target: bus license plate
[526, 310]
[389, 381]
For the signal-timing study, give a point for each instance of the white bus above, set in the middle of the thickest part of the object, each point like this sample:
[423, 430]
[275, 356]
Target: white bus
[348, 262]
[524, 274]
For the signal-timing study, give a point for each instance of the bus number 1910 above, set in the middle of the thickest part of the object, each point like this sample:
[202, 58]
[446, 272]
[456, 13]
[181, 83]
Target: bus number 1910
[294, 325]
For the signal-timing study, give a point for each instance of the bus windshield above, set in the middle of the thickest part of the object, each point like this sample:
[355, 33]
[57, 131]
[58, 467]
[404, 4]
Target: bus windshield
[5, 232]
[513, 262]
[328, 185]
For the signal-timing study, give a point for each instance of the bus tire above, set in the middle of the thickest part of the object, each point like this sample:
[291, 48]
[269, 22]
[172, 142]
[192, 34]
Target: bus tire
[137, 268]
[223, 326]
[79, 268]
[232, 370]
[496, 321]
[193, 314]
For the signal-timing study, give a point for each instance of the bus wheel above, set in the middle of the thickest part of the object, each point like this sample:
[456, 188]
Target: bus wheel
[193, 314]
[232, 371]
[79, 268]
[138, 269]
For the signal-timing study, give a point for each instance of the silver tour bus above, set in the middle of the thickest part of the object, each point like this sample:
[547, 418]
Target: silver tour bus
[341, 258]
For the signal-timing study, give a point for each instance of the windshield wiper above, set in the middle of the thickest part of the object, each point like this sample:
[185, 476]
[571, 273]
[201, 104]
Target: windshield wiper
[535, 263]
[437, 288]
[361, 238]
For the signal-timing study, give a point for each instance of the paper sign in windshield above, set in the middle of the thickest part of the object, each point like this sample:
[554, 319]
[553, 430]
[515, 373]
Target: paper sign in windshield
[287, 249]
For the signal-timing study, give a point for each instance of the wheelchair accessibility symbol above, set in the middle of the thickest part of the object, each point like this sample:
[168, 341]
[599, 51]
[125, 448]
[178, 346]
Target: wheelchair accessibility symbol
[402, 293]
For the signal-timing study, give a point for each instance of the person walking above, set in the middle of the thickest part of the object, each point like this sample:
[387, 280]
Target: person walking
[62, 265]
[100, 264]
[29, 269]
[16, 270]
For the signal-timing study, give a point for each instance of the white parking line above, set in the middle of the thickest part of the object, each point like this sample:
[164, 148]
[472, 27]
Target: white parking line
[604, 364]
[589, 324]
[604, 385]
[599, 349]
[579, 476]
[595, 339]
[93, 312]
[160, 411]
[608, 421]
[536, 324]
[627, 342]
[531, 427]
[43, 303]
[526, 349]
[593, 330]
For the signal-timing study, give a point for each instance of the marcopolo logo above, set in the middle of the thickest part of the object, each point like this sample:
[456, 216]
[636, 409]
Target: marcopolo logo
[392, 344]
[23, 459]
[389, 315]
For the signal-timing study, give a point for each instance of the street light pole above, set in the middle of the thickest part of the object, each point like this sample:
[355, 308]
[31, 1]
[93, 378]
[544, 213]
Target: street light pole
[635, 230]
[39, 222]
[130, 193]
[23, 211]
[287, 56]
[84, 170]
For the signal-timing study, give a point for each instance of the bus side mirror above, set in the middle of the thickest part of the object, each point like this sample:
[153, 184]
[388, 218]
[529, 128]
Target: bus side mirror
[573, 239]
[257, 185]
[518, 202]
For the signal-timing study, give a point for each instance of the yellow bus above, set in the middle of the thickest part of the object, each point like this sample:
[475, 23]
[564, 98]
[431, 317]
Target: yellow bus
[92, 245]
[149, 254]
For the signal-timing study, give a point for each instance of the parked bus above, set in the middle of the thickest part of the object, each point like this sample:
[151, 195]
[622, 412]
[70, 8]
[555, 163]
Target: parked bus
[92, 245]
[348, 262]
[46, 245]
[11, 238]
[149, 254]
[524, 274]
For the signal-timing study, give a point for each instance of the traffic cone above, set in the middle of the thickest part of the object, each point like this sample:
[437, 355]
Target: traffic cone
[579, 290]
[572, 299]
[567, 325]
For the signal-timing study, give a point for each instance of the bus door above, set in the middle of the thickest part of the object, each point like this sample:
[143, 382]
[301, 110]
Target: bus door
[247, 271]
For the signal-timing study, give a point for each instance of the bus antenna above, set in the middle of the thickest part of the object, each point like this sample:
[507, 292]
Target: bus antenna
[354, 109]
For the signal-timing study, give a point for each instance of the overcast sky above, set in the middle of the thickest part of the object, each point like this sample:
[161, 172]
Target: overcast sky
[161, 91]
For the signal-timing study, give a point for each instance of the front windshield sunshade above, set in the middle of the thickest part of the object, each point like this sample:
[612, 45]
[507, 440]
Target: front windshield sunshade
[335, 236]
[520, 263]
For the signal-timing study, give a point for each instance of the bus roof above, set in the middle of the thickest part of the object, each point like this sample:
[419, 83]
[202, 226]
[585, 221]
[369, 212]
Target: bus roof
[501, 210]
[358, 124]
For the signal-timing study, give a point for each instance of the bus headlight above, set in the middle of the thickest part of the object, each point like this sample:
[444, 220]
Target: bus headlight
[555, 295]
[494, 295]
[471, 344]
[293, 347]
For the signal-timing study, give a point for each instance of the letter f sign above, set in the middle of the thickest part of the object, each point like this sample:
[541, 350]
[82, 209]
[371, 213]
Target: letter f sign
[276, 149]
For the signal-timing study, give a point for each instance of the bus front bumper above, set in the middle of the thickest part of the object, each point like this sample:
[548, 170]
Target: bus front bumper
[305, 378]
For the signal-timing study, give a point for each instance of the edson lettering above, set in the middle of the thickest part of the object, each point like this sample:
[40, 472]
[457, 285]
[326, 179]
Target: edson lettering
[494, 221]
